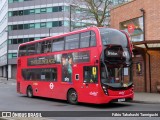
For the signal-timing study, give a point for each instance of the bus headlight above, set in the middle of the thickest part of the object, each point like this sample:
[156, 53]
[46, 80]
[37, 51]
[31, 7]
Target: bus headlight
[105, 90]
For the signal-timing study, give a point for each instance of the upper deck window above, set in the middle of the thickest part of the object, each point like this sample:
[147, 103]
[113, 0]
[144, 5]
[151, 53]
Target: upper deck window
[72, 42]
[46, 46]
[58, 44]
[31, 49]
[112, 36]
[87, 39]
[22, 51]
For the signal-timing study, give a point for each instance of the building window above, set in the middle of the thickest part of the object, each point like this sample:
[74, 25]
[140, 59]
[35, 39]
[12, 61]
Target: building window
[12, 55]
[134, 27]
[55, 24]
[20, 41]
[20, 12]
[66, 8]
[36, 25]
[14, 41]
[9, 41]
[55, 9]
[15, 13]
[10, 1]
[10, 14]
[14, 27]
[31, 39]
[60, 8]
[26, 12]
[25, 26]
[25, 39]
[32, 11]
[20, 27]
[37, 11]
[43, 10]
[49, 9]
[66, 23]
[49, 24]
[15, 0]
[43, 25]
[32, 25]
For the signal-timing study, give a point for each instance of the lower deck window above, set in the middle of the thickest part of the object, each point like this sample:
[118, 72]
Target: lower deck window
[43, 74]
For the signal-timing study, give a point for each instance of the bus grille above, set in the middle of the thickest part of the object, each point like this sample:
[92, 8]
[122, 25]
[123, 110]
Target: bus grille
[18, 86]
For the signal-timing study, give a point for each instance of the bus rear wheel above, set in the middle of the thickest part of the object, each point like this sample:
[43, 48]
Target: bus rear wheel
[72, 97]
[29, 92]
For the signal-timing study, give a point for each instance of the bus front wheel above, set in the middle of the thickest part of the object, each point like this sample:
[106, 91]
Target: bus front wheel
[29, 92]
[72, 97]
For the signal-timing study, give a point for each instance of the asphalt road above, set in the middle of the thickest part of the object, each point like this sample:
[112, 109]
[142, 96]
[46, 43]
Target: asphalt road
[12, 101]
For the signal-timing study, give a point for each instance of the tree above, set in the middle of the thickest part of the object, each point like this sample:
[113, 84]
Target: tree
[95, 10]
[99, 9]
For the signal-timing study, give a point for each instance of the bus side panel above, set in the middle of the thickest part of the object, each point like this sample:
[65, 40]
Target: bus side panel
[20, 82]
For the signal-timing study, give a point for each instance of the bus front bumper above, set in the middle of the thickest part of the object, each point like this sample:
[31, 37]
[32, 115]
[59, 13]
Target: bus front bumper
[110, 99]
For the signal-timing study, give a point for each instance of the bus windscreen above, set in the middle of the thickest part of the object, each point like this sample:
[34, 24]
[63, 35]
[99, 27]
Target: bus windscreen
[113, 37]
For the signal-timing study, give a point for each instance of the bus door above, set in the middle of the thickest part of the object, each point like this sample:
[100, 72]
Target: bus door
[89, 88]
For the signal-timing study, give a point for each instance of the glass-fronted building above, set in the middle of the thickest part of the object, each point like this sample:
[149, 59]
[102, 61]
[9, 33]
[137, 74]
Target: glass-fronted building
[27, 20]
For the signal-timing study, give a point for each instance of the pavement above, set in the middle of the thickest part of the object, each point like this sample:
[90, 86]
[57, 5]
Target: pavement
[142, 97]
[139, 97]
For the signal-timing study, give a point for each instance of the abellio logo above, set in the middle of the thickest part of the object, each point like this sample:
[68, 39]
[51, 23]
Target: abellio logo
[121, 92]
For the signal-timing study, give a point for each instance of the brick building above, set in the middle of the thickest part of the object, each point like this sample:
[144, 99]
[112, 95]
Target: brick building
[141, 19]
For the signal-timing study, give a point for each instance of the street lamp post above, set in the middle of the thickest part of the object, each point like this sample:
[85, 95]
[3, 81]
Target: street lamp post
[7, 55]
[70, 17]
[50, 32]
[70, 21]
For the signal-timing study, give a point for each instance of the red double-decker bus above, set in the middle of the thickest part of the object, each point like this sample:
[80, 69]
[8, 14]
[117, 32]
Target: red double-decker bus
[92, 65]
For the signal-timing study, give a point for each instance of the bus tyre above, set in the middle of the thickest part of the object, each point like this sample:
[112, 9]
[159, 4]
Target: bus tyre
[29, 92]
[72, 97]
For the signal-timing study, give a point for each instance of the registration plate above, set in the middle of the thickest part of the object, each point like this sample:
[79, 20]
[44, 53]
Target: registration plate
[121, 100]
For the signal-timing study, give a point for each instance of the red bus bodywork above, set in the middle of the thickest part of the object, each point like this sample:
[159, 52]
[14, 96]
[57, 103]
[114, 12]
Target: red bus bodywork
[87, 92]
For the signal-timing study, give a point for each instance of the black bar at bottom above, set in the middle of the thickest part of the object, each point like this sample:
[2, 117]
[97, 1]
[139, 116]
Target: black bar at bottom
[5, 114]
